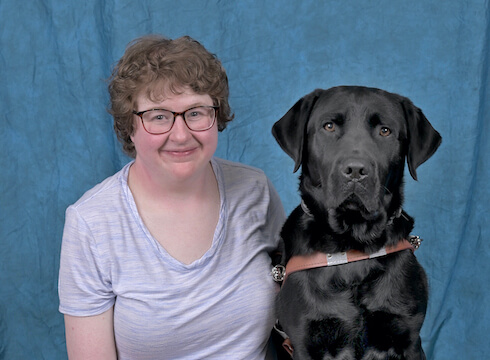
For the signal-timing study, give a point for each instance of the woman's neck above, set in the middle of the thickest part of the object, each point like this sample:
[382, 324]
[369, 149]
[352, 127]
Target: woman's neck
[158, 187]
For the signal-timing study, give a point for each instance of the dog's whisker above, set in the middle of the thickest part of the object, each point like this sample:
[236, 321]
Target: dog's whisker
[386, 190]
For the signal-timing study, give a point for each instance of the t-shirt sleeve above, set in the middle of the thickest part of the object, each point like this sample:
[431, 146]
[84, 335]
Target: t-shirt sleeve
[84, 284]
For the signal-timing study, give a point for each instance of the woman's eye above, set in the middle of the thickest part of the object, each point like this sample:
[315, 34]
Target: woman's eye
[158, 115]
[329, 126]
[384, 131]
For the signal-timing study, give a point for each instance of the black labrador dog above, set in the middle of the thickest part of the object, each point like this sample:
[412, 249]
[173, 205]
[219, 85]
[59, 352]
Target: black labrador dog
[351, 143]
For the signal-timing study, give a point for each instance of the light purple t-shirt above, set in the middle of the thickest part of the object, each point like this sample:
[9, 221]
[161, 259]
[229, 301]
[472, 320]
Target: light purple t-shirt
[219, 307]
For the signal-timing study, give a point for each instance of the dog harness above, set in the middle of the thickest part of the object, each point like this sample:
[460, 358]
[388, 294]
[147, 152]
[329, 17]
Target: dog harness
[319, 259]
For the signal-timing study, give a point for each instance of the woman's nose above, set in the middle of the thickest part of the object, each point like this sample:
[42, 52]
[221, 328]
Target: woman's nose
[180, 130]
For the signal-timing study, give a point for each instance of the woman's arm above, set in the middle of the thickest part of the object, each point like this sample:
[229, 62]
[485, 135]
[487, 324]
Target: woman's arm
[91, 337]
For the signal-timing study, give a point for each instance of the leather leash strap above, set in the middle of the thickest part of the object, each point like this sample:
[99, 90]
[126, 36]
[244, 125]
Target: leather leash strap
[319, 259]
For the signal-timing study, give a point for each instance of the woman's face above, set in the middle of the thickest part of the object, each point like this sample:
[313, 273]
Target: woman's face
[179, 154]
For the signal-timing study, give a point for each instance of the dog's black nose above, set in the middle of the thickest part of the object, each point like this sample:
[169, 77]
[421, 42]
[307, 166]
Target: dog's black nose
[355, 170]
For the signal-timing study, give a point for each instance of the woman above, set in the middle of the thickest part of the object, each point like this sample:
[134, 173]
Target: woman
[169, 258]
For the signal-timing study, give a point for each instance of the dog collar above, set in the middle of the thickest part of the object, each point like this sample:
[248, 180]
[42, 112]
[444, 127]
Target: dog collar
[305, 208]
[319, 259]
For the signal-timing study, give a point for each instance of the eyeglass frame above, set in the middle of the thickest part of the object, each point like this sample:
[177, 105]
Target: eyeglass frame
[175, 114]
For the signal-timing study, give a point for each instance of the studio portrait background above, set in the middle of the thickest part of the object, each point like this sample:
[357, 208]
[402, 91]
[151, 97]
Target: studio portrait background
[58, 142]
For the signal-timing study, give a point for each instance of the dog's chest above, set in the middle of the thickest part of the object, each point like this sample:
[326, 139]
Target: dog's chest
[360, 281]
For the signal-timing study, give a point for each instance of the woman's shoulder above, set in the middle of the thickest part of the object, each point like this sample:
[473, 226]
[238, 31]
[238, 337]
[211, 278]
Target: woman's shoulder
[236, 169]
[238, 180]
[105, 192]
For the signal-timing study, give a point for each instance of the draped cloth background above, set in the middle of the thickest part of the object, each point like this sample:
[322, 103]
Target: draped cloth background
[57, 139]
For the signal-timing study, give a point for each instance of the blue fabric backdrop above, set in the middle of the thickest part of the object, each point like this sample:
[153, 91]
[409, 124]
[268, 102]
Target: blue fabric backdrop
[57, 139]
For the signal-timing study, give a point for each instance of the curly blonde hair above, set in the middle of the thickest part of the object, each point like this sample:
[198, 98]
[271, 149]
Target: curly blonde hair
[157, 65]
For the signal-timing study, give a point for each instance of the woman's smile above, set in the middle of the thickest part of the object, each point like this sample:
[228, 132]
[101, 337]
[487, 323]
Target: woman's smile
[185, 152]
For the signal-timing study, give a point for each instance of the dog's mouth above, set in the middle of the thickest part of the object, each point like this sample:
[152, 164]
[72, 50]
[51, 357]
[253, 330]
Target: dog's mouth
[354, 206]
[354, 218]
[352, 203]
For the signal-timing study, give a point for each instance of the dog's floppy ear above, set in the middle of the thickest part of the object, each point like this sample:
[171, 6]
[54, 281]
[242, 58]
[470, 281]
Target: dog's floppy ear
[423, 139]
[290, 130]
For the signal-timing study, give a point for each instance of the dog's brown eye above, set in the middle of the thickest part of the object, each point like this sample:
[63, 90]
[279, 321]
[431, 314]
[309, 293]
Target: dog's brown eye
[384, 131]
[330, 126]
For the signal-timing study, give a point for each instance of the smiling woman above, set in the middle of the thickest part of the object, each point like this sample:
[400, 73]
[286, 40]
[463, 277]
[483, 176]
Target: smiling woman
[173, 250]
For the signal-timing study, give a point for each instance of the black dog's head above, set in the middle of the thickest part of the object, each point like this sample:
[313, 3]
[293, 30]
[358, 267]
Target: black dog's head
[352, 143]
